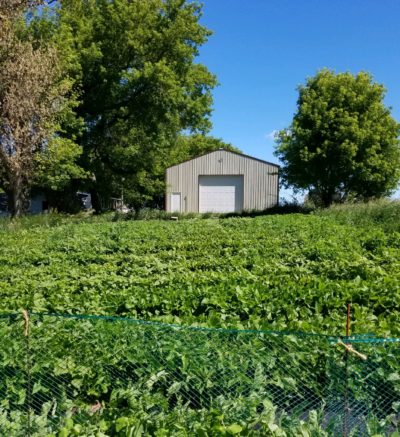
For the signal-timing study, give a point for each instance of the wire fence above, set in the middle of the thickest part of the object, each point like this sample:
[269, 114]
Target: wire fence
[85, 375]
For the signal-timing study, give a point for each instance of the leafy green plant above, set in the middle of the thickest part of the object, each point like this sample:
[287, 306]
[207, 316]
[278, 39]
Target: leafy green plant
[291, 272]
[283, 272]
[77, 375]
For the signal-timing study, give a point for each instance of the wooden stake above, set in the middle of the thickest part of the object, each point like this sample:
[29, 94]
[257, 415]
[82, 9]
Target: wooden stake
[349, 348]
[25, 315]
[348, 321]
[346, 407]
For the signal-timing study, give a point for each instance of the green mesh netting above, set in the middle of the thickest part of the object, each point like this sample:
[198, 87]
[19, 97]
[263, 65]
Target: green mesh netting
[82, 375]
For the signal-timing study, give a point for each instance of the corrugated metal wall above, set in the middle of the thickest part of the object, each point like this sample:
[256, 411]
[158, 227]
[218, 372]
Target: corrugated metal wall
[260, 179]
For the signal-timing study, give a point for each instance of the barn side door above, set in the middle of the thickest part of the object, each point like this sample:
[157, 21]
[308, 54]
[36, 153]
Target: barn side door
[175, 202]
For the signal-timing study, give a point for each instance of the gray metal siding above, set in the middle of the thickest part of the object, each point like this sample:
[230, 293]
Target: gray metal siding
[260, 179]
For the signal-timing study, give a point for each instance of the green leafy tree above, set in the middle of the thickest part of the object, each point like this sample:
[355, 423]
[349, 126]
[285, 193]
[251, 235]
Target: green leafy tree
[343, 142]
[189, 146]
[56, 165]
[133, 63]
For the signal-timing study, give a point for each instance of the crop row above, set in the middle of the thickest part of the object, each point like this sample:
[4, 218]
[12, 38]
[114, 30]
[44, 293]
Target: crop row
[286, 272]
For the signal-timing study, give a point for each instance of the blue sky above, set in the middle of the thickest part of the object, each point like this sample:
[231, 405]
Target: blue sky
[261, 50]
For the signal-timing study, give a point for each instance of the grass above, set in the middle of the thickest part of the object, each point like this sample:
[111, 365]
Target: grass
[54, 219]
[383, 213]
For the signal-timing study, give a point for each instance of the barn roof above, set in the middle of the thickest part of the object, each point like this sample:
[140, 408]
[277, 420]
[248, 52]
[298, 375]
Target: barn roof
[229, 151]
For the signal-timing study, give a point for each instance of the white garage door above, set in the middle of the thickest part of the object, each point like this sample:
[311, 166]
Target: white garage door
[220, 193]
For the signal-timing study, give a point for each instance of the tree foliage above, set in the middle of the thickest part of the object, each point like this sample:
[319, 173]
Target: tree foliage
[56, 165]
[33, 101]
[11, 8]
[343, 142]
[133, 63]
[189, 146]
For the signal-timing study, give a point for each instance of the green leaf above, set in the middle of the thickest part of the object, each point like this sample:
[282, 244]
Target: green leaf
[234, 429]
[393, 377]
[121, 423]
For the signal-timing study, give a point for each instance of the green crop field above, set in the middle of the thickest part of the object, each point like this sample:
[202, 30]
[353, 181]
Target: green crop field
[105, 377]
[284, 272]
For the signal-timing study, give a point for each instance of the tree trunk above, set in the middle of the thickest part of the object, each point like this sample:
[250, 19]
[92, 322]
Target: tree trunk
[96, 202]
[327, 197]
[17, 198]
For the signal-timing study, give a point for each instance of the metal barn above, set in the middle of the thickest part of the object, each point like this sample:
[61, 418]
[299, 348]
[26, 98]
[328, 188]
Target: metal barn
[222, 181]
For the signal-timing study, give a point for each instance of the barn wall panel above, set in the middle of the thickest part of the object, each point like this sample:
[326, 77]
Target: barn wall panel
[260, 179]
